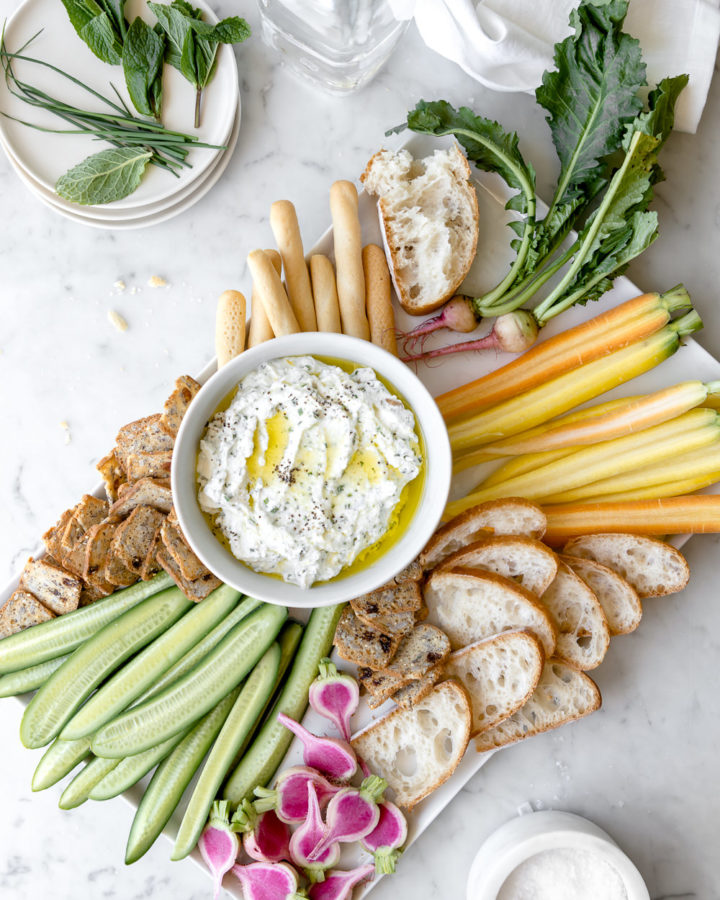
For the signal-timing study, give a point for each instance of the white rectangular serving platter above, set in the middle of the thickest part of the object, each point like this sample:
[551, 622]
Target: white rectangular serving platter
[491, 262]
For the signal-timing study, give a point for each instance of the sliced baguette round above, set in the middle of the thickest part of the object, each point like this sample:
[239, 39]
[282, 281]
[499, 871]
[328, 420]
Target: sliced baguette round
[499, 674]
[618, 599]
[563, 694]
[652, 567]
[470, 606]
[429, 219]
[511, 515]
[522, 559]
[583, 635]
[417, 749]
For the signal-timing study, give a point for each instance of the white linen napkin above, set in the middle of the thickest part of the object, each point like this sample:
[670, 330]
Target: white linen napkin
[507, 44]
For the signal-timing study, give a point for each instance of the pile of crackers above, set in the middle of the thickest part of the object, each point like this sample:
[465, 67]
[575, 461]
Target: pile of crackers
[102, 544]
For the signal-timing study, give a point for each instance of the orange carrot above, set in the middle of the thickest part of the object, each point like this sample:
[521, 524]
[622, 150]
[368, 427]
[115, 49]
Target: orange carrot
[624, 324]
[693, 514]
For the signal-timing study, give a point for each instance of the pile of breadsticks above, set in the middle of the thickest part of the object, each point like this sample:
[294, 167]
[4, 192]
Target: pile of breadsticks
[353, 297]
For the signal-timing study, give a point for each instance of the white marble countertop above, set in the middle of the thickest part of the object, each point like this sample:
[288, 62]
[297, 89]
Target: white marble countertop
[645, 767]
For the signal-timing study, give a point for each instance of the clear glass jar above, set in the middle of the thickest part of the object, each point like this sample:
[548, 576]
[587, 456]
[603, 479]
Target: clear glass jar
[339, 45]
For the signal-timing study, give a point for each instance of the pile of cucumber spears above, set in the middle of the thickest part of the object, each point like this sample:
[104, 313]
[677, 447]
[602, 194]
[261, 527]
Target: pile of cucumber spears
[147, 678]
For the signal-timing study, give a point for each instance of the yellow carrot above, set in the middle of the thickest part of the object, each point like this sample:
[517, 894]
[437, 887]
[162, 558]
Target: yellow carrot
[487, 452]
[695, 514]
[655, 491]
[699, 466]
[615, 328]
[631, 416]
[563, 393]
[694, 429]
[521, 464]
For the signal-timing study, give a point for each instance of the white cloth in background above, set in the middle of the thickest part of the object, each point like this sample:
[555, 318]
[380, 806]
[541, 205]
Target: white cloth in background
[507, 44]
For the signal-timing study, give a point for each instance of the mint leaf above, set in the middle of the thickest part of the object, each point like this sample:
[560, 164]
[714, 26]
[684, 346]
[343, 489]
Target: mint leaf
[233, 30]
[80, 12]
[100, 37]
[104, 177]
[142, 61]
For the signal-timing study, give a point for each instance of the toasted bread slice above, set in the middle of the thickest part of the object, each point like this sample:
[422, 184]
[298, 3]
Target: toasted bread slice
[134, 537]
[652, 567]
[418, 689]
[53, 536]
[406, 597]
[55, 588]
[399, 623]
[563, 694]
[380, 685]
[177, 403]
[417, 749]
[20, 611]
[429, 217]
[362, 644]
[521, 559]
[90, 511]
[142, 436]
[112, 474]
[97, 550]
[424, 648]
[470, 606]
[149, 465]
[150, 565]
[146, 492]
[499, 673]
[411, 573]
[583, 635]
[195, 590]
[511, 515]
[177, 547]
[618, 599]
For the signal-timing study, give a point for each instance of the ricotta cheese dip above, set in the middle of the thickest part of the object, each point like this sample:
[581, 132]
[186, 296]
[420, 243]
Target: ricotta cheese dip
[306, 467]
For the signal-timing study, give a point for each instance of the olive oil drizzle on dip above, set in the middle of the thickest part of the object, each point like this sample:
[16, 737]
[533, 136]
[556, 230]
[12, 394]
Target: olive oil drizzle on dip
[310, 469]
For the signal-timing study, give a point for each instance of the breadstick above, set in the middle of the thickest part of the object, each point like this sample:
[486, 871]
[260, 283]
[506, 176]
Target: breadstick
[377, 298]
[229, 327]
[348, 259]
[260, 328]
[284, 224]
[325, 294]
[272, 294]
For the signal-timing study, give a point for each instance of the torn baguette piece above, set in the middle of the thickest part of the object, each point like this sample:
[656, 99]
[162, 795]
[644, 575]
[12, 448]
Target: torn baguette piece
[563, 694]
[524, 560]
[470, 605]
[583, 635]
[511, 515]
[499, 673]
[429, 218]
[617, 597]
[417, 749]
[651, 566]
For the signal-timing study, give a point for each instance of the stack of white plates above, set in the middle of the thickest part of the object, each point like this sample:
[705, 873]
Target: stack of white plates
[40, 158]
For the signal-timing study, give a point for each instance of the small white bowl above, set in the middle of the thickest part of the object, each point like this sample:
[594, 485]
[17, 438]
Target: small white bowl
[527, 835]
[438, 470]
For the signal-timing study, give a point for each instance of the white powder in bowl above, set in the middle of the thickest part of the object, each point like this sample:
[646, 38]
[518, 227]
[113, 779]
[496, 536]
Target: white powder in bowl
[566, 874]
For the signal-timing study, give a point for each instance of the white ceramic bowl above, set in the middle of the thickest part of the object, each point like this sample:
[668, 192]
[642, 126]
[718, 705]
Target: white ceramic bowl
[526, 835]
[438, 468]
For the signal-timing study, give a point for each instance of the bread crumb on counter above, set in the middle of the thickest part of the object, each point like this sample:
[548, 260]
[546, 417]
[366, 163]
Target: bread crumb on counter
[156, 281]
[117, 321]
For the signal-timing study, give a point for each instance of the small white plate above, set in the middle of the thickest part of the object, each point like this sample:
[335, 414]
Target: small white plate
[45, 156]
[127, 220]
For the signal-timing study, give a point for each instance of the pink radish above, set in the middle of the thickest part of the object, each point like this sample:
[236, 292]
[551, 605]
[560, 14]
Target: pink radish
[386, 839]
[219, 844]
[339, 884]
[513, 332]
[306, 838]
[351, 814]
[268, 881]
[333, 757]
[289, 798]
[266, 838]
[335, 696]
[457, 315]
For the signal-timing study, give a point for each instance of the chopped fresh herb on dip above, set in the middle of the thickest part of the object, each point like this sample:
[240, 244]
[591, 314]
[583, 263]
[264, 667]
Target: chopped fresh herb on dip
[306, 467]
